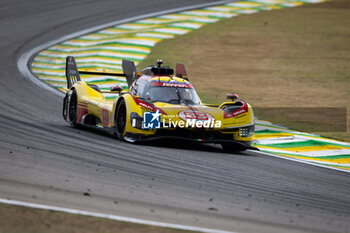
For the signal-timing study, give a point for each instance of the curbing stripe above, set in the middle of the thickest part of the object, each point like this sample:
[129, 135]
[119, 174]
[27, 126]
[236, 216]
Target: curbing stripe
[293, 142]
[303, 147]
[278, 141]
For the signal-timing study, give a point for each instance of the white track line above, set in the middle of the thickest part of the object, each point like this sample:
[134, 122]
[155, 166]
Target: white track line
[23, 62]
[110, 216]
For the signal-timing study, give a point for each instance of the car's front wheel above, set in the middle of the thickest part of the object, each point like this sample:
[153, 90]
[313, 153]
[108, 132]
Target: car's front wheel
[120, 120]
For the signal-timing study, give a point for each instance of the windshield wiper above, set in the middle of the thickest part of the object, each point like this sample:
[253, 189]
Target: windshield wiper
[178, 93]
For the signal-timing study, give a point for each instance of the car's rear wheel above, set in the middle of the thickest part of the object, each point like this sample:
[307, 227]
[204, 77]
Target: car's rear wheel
[72, 110]
[120, 120]
[234, 147]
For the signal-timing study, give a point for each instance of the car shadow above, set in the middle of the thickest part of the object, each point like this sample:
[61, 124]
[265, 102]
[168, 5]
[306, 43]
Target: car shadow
[194, 146]
[167, 143]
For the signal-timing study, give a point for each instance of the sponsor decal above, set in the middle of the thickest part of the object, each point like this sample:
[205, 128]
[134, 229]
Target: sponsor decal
[105, 117]
[189, 119]
[82, 104]
[147, 105]
[238, 112]
[151, 120]
[142, 104]
[172, 84]
[73, 78]
[198, 119]
[191, 123]
[82, 110]
[198, 115]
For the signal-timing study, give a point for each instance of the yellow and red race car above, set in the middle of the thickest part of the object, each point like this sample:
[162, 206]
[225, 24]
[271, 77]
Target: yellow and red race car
[156, 105]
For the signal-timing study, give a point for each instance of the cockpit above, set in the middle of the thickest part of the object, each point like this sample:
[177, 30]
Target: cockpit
[165, 89]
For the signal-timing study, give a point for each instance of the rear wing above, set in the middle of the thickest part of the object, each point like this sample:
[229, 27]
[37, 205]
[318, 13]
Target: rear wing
[72, 72]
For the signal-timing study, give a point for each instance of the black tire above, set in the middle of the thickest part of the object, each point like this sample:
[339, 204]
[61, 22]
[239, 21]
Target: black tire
[120, 120]
[234, 147]
[72, 110]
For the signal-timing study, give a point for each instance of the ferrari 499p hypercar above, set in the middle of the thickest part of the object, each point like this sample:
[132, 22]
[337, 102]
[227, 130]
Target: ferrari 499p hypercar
[158, 104]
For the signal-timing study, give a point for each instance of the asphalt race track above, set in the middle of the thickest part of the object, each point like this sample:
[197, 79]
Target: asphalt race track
[44, 160]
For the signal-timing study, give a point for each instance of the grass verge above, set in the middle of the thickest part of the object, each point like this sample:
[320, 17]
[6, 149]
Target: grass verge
[17, 219]
[293, 57]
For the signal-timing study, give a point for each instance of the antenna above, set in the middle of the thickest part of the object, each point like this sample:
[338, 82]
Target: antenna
[159, 63]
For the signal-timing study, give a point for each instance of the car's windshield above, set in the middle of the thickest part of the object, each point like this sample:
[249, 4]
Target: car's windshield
[174, 94]
[139, 87]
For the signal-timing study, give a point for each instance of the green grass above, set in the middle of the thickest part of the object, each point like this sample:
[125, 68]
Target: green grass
[293, 57]
[17, 219]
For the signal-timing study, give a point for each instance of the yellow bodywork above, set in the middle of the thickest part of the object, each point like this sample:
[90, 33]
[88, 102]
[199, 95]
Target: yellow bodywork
[93, 103]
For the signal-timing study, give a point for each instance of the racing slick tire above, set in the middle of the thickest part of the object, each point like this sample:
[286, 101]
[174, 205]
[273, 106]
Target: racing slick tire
[233, 147]
[120, 120]
[72, 110]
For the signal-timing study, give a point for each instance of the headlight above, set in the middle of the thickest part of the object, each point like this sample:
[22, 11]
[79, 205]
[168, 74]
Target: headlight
[136, 120]
[247, 131]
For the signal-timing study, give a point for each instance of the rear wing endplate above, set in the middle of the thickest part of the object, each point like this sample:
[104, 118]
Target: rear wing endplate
[72, 74]
[130, 71]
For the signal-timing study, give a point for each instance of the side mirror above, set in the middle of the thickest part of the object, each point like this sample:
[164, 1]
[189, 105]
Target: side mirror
[232, 97]
[116, 88]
